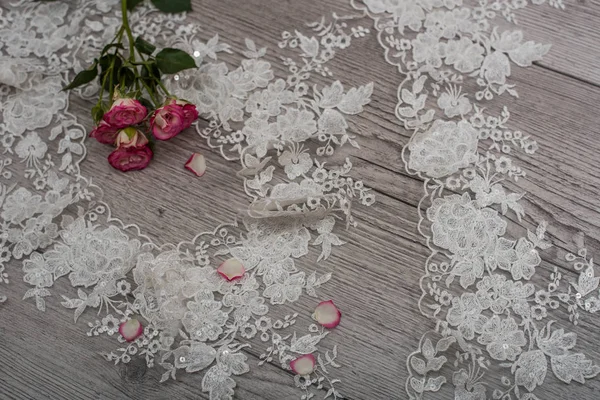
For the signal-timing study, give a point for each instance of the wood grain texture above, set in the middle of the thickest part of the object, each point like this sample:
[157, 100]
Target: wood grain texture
[376, 275]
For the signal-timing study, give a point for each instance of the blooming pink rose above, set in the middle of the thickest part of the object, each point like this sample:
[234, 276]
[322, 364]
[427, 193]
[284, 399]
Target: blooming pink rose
[125, 112]
[131, 137]
[167, 121]
[130, 158]
[104, 133]
[190, 112]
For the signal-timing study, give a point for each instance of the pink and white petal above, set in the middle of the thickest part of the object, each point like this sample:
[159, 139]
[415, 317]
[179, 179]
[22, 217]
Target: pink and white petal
[197, 164]
[327, 314]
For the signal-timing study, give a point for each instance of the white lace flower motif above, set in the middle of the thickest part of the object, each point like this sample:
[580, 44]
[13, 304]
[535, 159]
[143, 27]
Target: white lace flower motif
[35, 108]
[271, 99]
[260, 135]
[194, 357]
[465, 388]
[20, 205]
[49, 18]
[443, 149]
[288, 287]
[530, 369]
[454, 103]
[212, 92]
[503, 338]
[527, 259]
[38, 233]
[93, 256]
[464, 55]
[31, 148]
[245, 305]
[448, 23]
[296, 125]
[258, 71]
[495, 68]
[404, 12]
[296, 162]
[462, 228]
[37, 271]
[428, 49]
[465, 313]
[204, 320]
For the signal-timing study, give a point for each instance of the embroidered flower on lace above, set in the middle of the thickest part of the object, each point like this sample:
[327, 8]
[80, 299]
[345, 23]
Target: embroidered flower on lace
[193, 316]
[493, 317]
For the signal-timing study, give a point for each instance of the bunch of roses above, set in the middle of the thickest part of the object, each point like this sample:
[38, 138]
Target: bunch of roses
[125, 124]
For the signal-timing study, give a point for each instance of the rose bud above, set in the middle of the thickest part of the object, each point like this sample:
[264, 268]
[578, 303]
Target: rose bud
[190, 113]
[131, 137]
[167, 121]
[125, 112]
[104, 133]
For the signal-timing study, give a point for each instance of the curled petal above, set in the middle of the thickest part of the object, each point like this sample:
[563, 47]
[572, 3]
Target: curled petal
[231, 269]
[131, 330]
[327, 314]
[197, 164]
[304, 365]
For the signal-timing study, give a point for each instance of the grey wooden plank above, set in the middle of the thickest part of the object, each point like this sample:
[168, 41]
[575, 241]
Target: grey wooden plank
[375, 275]
[574, 34]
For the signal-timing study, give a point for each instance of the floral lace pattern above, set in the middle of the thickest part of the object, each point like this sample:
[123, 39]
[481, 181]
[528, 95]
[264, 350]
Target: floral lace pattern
[56, 222]
[493, 323]
[495, 334]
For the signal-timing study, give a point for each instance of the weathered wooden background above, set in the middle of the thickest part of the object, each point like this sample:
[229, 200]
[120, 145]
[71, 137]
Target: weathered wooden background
[376, 275]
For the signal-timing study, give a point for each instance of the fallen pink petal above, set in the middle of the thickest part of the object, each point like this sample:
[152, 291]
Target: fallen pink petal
[197, 164]
[327, 314]
[131, 330]
[231, 269]
[304, 365]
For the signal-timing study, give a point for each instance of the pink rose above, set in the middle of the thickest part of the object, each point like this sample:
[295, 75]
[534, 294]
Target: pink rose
[190, 112]
[130, 158]
[167, 121]
[125, 112]
[104, 133]
[131, 137]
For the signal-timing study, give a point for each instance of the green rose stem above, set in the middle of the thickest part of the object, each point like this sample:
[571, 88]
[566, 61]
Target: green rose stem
[117, 38]
[151, 93]
[128, 31]
[147, 65]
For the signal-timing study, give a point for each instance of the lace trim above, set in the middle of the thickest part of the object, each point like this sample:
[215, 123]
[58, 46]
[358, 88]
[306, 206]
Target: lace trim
[492, 324]
[195, 320]
[489, 316]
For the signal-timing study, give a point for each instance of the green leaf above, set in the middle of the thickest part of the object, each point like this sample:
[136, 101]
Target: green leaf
[171, 61]
[150, 71]
[97, 113]
[126, 76]
[105, 63]
[108, 46]
[85, 76]
[144, 46]
[173, 6]
[132, 3]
